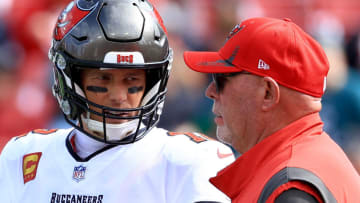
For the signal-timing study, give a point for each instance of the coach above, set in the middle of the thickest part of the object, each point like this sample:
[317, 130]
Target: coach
[269, 78]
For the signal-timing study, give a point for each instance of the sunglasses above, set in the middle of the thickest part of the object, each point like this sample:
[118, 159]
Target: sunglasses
[220, 79]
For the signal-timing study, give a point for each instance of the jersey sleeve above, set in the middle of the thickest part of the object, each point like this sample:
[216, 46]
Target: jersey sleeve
[13, 165]
[9, 172]
[188, 176]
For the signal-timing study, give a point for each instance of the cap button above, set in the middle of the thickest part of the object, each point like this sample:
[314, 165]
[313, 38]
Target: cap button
[287, 19]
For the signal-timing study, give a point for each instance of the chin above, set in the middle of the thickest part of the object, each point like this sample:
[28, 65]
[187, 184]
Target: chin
[223, 134]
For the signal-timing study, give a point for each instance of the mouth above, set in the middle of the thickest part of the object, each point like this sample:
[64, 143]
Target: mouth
[122, 117]
[218, 119]
[118, 114]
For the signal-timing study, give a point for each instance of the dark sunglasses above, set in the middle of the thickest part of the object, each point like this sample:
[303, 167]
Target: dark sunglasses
[221, 78]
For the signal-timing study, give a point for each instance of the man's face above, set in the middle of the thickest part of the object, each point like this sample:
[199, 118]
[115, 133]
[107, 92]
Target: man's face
[121, 89]
[235, 109]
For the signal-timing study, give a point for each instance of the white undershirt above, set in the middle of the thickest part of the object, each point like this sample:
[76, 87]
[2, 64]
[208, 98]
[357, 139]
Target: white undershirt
[85, 145]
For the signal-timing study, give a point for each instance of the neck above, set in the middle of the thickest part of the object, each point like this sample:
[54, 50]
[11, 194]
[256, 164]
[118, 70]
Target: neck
[292, 106]
[85, 145]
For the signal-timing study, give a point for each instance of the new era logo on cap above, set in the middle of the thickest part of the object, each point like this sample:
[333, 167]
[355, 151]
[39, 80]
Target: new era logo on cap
[262, 65]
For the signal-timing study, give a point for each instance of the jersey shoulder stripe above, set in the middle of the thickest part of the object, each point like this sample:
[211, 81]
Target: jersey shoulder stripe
[191, 147]
[34, 140]
[193, 136]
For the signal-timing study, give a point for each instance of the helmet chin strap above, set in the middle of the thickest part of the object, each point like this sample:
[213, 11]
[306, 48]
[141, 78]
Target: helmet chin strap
[114, 132]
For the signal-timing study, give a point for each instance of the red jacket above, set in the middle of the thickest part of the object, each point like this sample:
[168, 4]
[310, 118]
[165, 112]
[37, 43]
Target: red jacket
[299, 153]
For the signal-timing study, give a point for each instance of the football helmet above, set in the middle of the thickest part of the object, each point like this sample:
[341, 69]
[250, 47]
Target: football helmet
[115, 34]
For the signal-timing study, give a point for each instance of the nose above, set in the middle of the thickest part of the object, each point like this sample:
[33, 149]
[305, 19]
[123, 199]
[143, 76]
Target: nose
[117, 94]
[211, 91]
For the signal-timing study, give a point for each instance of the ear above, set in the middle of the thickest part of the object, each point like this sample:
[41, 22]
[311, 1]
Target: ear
[272, 94]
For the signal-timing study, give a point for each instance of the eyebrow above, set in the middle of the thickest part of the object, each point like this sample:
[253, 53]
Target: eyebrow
[94, 73]
[133, 74]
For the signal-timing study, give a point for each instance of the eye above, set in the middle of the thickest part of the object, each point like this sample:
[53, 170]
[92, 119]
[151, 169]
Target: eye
[132, 78]
[103, 77]
[220, 81]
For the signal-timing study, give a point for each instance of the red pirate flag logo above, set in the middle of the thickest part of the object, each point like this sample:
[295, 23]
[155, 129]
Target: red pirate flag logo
[70, 17]
[235, 30]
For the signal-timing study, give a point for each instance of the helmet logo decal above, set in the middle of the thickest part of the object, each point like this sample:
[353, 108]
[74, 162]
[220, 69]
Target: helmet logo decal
[124, 58]
[70, 16]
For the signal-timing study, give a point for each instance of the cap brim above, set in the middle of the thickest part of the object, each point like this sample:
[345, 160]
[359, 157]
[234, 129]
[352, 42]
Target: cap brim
[208, 62]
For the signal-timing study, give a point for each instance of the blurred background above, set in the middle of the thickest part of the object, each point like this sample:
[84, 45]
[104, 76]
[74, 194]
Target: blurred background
[26, 101]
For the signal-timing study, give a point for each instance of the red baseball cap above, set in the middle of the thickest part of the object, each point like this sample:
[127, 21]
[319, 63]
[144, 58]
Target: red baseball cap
[269, 47]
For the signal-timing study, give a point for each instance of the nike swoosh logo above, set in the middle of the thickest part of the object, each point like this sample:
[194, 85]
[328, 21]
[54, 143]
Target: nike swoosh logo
[222, 156]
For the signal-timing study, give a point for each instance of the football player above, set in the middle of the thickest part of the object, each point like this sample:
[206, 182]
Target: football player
[111, 65]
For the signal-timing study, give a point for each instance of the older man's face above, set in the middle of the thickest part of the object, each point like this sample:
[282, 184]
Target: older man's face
[235, 108]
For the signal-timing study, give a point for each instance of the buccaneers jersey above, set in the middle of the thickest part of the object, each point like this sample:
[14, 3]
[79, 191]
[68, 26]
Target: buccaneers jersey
[162, 167]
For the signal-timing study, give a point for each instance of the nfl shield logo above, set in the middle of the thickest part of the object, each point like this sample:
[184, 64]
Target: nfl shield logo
[79, 173]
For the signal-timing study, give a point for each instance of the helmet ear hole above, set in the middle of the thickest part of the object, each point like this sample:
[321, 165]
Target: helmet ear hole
[61, 91]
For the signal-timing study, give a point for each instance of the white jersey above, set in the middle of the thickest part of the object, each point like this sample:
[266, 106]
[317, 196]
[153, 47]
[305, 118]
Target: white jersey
[166, 167]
